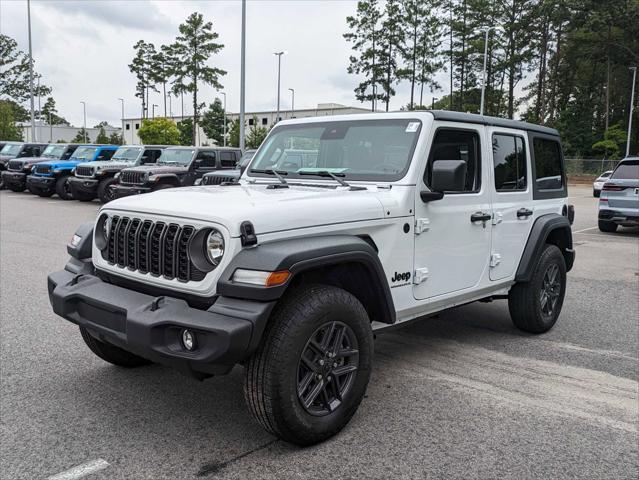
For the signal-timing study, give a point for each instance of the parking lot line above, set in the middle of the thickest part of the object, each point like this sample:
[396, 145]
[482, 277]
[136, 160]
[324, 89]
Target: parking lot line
[81, 470]
[585, 229]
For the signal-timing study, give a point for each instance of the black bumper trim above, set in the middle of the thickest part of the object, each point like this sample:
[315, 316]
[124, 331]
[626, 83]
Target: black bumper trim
[11, 177]
[83, 185]
[41, 183]
[120, 191]
[227, 333]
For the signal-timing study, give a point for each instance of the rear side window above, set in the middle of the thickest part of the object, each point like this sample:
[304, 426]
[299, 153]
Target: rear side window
[548, 174]
[451, 144]
[208, 159]
[628, 170]
[509, 160]
[107, 154]
[228, 159]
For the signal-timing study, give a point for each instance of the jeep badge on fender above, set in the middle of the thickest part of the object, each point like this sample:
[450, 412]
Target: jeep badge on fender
[288, 270]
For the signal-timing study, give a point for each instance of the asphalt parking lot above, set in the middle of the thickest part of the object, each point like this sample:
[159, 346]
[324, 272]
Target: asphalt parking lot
[463, 395]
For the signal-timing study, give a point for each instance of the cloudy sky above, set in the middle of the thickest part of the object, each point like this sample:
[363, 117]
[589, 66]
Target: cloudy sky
[82, 49]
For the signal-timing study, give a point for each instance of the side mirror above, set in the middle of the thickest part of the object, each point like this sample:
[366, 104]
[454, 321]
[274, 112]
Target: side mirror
[144, 159]
[448, 176]
[100, 157]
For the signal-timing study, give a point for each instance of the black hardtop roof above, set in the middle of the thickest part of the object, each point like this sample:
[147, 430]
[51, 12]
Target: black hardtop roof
[491, 121]
[136, 145]
[191, 147]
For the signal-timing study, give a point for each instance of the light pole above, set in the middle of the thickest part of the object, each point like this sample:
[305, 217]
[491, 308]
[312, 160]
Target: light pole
[153, 111]
[632, 106]
[242, 74]
[39, 104]
[292, 101]
[122, 100]
[279, 71]
[483, 75]
[224, 93]
[50, 129]
[84, 109]
[33, 130]
[432, 103]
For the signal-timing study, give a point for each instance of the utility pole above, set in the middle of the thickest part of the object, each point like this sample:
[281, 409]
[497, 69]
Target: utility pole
[483, 74]
[292, 101]
[84, 109]
[153, 111]
[279, 70]
[122, 100]
[224, 93]
[432, 103]
[242, 74]
[632, 106]
[33, 129]
[50, 129]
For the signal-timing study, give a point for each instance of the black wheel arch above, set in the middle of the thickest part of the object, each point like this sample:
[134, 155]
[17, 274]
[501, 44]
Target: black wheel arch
[168, 178]
[551, 228]
[345, 261]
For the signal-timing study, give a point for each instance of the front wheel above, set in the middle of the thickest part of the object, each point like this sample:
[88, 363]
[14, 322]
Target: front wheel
[535, 305]
[63, 189]
[310, 372]
[111, 353]
[105, 190]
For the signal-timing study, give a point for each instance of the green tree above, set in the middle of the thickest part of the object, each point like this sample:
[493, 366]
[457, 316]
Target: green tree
[80, 137]
[8, 128]
[50, 113]
[142, 66]
[185, 128]
[213, 122]
[255, 135]
[14, 65]
[233, 133]
[161, 71]
[116, 139]
[190, 55]
[392, 38]
[159, 131]
[102, 136]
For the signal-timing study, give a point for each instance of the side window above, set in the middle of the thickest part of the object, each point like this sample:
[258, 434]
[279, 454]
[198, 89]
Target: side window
[228, 160]
[151, 155]
[208, 159]
[26, 152]
[107, 154]
[548, 175]
[69, 152]
[452, 144]
[509, 160]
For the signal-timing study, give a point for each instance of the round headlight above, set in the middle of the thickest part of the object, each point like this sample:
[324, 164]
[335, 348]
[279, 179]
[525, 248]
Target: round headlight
[106, 227]
[215, 247]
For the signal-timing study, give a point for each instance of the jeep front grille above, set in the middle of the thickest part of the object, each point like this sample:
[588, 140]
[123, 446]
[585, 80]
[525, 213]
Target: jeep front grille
[15, 165]
[158, 248]
[132, 176]
[217, 179]
[42, 169]
[83, 171]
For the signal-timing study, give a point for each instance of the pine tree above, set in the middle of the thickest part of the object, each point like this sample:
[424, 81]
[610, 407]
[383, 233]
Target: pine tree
[50, 113]
[392, 38]
[14, 80]
[143, 67]
[102, 136]
[213, 122]
[189, 60]
[185, 127]
[255, 135]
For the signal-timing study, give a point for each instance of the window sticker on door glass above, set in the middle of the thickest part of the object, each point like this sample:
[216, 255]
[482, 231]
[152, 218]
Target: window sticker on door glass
[412, 127]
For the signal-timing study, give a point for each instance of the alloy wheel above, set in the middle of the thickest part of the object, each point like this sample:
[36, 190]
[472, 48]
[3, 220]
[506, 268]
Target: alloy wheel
[550, 290]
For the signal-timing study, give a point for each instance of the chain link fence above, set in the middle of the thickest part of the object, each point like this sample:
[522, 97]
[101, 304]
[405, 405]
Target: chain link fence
[587, 169]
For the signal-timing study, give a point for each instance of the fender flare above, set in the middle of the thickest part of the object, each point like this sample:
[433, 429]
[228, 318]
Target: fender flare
[301, 255]
[163, 177]
[551, 226]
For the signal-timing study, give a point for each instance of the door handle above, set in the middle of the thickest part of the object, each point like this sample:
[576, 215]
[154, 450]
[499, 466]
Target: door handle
[480, 217]
[524, 212]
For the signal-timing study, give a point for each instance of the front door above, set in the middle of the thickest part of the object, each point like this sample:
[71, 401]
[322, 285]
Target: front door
[452, 235]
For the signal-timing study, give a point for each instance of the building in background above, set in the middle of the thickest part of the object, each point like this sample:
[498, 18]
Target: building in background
[263, 118]
[65, 133]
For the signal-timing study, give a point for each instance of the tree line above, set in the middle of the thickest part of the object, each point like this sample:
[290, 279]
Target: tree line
[561, 63]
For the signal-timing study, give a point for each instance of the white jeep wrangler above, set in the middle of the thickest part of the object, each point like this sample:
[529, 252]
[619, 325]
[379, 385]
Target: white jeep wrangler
[339, 226]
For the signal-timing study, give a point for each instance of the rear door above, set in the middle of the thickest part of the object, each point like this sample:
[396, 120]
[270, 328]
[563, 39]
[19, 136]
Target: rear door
[205, 161]
[622, 188]
[513, 213]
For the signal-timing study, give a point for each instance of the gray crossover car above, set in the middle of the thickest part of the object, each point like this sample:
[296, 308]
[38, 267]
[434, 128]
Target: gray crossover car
[619, 200]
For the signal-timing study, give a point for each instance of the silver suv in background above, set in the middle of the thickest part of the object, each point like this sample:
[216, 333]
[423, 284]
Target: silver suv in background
[619, 200]
[598, 184]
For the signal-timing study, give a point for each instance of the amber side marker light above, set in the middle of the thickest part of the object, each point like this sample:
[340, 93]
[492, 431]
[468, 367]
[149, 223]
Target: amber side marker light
[261, 278]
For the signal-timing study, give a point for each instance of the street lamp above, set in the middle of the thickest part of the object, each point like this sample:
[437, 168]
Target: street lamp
[292, 101]
[33, 130]
[84, 124]
[432, 103]
[242, 73]
[483, 75]
[224, 93]
[122, 100]
[153, 111]
[632, 106]
[279, 71]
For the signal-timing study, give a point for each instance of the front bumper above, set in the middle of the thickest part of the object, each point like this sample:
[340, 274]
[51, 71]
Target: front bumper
[17, 179]
[83, 185]
[628, 217]
[151, 327]
[120, 191]
[45, 184]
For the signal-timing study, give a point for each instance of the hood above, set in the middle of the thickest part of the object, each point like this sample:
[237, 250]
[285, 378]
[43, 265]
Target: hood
[6, 158]
[106, 164]
[60, 164]
[158, 169]
[270, 210]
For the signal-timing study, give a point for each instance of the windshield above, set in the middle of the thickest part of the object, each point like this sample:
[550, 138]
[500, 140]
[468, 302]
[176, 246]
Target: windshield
[11, 149]
[375, 150]
[178, 156]
[83, 153]
[628, 170]
[126, 154]
[54, 151]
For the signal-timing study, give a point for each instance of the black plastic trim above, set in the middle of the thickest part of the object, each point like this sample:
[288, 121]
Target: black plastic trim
[83, 249]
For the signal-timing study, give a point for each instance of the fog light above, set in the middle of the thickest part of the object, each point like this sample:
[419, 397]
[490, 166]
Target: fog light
[188, 340]
[75, 241]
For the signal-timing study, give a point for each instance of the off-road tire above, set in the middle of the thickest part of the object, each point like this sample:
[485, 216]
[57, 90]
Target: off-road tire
[525, 298]
[111, 353]
[2, 186]
[608, 227]
[271, 374]
[104, 189]
[62, 188]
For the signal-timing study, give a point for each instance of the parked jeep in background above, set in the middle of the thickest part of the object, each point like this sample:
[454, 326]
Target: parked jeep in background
[176, 167]
[619, 198]
[12, 150]
[53, 176]
[224, 176]
[95, 179]
[15, 178]
[386, 218]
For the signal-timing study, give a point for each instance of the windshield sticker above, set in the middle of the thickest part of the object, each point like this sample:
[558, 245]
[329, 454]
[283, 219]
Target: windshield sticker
[412, 127]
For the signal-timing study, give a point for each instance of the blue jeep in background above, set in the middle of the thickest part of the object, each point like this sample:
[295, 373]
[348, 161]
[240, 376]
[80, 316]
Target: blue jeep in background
[53, 176]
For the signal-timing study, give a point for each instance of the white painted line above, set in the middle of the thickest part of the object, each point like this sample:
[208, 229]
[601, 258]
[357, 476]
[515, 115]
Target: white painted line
[585, 229]
[81, 470]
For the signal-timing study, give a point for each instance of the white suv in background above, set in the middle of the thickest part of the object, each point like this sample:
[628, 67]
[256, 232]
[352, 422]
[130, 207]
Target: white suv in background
[598, 184]
[619, 200]
[384, 218]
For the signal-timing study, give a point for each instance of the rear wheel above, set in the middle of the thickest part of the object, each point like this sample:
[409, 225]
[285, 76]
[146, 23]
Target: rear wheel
[111, 353]
[606, 226]
[63, 189]
[535, 305]
[310, 372]
[105, 192]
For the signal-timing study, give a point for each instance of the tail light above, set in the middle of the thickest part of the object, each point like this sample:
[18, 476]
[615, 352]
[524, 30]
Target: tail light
[613, 188]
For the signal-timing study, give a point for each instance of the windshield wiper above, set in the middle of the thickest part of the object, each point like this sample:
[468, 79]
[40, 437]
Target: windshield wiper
[334, 176]
[276, 173]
